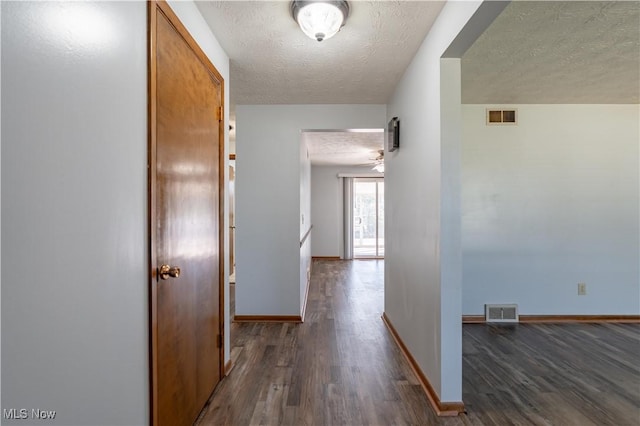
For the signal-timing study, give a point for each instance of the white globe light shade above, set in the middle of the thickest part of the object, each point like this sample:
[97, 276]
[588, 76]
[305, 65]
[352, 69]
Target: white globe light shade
[320, 20]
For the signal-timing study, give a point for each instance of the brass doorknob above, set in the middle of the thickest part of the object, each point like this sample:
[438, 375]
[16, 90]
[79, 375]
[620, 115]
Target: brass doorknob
[167, 271]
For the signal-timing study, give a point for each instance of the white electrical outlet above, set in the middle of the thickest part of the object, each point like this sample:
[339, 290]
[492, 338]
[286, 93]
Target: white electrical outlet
[582, 289]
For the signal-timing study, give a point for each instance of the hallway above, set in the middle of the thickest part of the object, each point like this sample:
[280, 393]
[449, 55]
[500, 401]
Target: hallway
[342, 367]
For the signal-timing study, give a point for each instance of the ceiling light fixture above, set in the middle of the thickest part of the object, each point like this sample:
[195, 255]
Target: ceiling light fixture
[379, 167]
[320, 20]
[378, 162]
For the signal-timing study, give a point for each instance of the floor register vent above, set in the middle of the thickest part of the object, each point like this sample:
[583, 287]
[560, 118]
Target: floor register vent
[501, 313]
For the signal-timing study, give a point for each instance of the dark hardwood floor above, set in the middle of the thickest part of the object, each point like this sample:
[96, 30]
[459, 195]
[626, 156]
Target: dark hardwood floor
[558, 374]
[341, 367]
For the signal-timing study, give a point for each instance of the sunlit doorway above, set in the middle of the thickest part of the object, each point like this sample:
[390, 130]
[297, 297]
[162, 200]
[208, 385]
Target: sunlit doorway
[368, 218]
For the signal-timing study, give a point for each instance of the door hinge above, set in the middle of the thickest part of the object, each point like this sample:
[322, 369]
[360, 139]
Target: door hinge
[220, 113]
[219, 340]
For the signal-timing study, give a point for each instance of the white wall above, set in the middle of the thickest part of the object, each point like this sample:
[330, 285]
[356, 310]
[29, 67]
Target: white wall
[75, 278]
[0, 199]
[420, 298]
[549, 203]
[305, 188]
[450, 225]
[74, 218]
[268, 198]
[305, 218]
[327, 208]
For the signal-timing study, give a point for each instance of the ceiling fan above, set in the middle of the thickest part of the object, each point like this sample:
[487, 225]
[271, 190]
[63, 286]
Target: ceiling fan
[377, 162]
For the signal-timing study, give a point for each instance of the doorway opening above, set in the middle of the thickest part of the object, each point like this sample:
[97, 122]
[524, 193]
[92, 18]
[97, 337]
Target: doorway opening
[368, 218]
[232, 236]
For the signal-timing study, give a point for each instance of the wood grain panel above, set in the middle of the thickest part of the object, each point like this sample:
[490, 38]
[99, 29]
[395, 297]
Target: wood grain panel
[558, 319]
[185, 182]
[267, 318]
[473, 319]
[445, 409]
[338, 367]
[228, 367]
[342, 367]
[579, 318]
[560, 374]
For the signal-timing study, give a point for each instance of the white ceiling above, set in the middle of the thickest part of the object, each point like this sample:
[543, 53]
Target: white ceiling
[534, 52]
[273, 62]
[344, 148]
[557, 52]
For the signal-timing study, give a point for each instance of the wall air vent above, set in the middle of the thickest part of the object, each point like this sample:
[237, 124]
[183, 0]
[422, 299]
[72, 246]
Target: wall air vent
[502, 116]
[501, 313]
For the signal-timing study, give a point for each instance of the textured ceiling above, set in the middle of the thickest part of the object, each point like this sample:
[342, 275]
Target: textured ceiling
[557, 52]
[534, 52]
[343, 147]
[273, 62]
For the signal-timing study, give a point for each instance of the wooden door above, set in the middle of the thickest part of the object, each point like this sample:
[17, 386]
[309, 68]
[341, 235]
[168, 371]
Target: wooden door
[185, 221]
